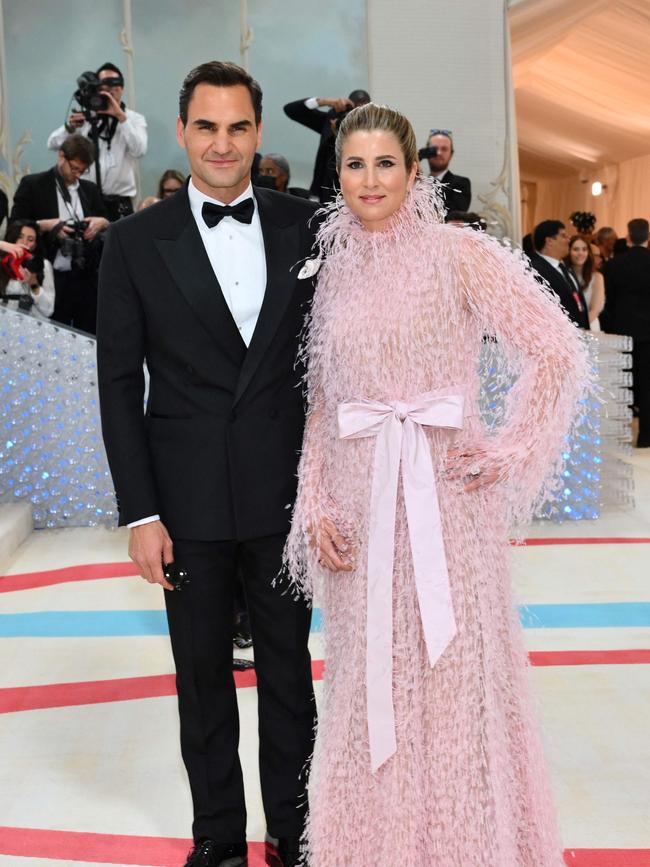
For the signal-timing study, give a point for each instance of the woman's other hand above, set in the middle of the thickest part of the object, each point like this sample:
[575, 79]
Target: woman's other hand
[331, 546]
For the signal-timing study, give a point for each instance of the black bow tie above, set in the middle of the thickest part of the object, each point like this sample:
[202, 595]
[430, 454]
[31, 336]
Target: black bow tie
[213, 214]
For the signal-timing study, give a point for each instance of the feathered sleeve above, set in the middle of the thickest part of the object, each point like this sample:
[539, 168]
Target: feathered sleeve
[549, 359]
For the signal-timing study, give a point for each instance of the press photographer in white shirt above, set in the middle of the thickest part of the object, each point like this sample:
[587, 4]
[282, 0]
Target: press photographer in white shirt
[122, 141]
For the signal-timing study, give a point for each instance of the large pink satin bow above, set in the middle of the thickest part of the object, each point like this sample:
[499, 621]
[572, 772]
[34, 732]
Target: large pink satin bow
[401, 439]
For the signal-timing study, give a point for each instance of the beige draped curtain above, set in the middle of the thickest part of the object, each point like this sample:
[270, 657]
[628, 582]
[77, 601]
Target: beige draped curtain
[581, 74]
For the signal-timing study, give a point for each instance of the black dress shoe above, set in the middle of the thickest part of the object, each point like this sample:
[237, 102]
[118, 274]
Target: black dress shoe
[242, 639]
[286, 853]
[239, 664]
[209, 853]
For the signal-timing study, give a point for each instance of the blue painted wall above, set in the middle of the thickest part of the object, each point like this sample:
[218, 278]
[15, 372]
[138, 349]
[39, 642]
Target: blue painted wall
[300, 48]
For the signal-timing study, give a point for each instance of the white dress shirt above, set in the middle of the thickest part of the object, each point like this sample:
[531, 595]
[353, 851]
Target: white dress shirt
[439, 175]
[117, 163]
[236, 253]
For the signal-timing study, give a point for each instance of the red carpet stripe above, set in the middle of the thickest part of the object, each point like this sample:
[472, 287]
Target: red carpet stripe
[39, 697]
[86, 572]
[21, 698]
[95, 571]
[71, 846]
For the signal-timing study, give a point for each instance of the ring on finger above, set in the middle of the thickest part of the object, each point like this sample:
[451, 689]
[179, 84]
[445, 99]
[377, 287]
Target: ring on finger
[474, 470]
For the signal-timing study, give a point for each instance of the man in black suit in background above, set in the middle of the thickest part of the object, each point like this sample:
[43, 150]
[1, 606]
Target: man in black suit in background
[307, 112]
[57, 197]
[627, 311]
[203, 287]
[551, 246]
[456, 189]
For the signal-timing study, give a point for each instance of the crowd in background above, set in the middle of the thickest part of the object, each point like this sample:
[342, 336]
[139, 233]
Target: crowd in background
[55, 224]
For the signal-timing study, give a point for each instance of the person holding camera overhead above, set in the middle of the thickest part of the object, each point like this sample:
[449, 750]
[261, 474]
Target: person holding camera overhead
[307, 112]
[71, 214]
[26, 277]
[120, 132]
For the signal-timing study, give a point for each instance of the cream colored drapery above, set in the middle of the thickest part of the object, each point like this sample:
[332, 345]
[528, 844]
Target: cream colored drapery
[581, 73]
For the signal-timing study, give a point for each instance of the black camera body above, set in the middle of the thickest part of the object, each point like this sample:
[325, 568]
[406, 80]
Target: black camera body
[88, 94]
[74, 244]
[36, 265]
[426, 153]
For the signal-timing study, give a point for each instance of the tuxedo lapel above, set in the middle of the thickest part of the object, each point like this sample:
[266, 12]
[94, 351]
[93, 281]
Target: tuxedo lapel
[188, 263]
[282, 250]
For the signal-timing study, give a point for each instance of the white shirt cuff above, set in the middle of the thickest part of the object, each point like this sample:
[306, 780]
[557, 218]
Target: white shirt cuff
[312, 102]
[148, 520]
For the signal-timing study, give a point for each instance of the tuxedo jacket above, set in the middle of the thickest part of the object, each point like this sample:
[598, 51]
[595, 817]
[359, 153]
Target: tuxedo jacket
[325, 178]
[565, 292]
[36, 199]
[215, 453]
[457, 192]
[627, 294]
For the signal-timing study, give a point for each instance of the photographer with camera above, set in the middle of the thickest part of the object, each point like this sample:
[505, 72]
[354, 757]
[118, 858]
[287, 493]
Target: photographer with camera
[26, 276]
[456, 189]
[307, 112]
[119, 134]
[71, 214]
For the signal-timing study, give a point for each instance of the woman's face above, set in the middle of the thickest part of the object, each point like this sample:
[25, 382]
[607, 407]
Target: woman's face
[374, 178]
[579, 253]
[27, 238]
[170, 186]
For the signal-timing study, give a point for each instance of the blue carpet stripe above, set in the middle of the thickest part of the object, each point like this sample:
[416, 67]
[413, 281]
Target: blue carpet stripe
[94, 624]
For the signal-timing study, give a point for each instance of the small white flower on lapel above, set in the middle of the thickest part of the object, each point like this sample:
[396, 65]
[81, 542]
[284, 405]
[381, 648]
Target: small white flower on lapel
[310, 268]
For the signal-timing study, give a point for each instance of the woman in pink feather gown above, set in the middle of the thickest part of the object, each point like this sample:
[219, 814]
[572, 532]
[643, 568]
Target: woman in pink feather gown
[427, 753]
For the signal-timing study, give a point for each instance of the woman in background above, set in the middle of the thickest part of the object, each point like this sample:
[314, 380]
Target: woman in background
[34, 291]
[581, 261]
[170, 182]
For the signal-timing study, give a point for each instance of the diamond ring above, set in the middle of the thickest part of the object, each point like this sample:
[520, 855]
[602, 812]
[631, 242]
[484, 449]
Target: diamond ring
[474, 470]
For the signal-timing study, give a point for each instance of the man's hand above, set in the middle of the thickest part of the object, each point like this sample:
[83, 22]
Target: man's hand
[114, 108]
[77, 119]
[338, 103]
[150, 547]
[95, 226]
[331, 545]
[32, 280]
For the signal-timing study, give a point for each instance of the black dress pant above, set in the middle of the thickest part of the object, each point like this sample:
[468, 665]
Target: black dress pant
[75, 302]
[200, 626]
[641, 384]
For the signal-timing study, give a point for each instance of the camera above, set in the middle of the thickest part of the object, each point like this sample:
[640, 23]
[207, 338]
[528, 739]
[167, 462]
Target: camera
[88, 94]
[36, 265]
[426, 153]
[74, 244]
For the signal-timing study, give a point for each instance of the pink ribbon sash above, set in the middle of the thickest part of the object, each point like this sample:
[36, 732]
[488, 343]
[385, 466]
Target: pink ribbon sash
[401, 440]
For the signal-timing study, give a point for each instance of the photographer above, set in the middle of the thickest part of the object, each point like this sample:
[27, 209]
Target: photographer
[71, 214]
[26, 285]
[307, 112]
[456, 189]
[121, 135]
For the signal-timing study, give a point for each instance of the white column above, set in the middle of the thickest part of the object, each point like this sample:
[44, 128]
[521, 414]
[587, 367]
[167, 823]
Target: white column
[6, 179]
[447, 65]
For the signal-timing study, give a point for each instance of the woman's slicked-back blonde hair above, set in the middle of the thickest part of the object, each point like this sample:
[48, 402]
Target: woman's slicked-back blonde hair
[372, 116]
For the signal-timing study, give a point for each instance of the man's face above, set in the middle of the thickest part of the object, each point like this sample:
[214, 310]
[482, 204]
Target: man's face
[445, 151]
[70, 170]
[221, 138]
[557, 247]
[106, 77]
[271, 170]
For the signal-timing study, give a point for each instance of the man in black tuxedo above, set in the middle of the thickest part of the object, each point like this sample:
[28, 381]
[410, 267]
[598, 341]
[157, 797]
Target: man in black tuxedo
[551, 247]
[307, 112]
[456, 189]
[204, 287]
[54, 198]
[627, 311]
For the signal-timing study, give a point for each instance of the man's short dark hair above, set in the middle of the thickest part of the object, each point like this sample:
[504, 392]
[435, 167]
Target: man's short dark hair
[638, 231]
[219, 74]
[78, 147]
[112, 68]
[546, 229]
